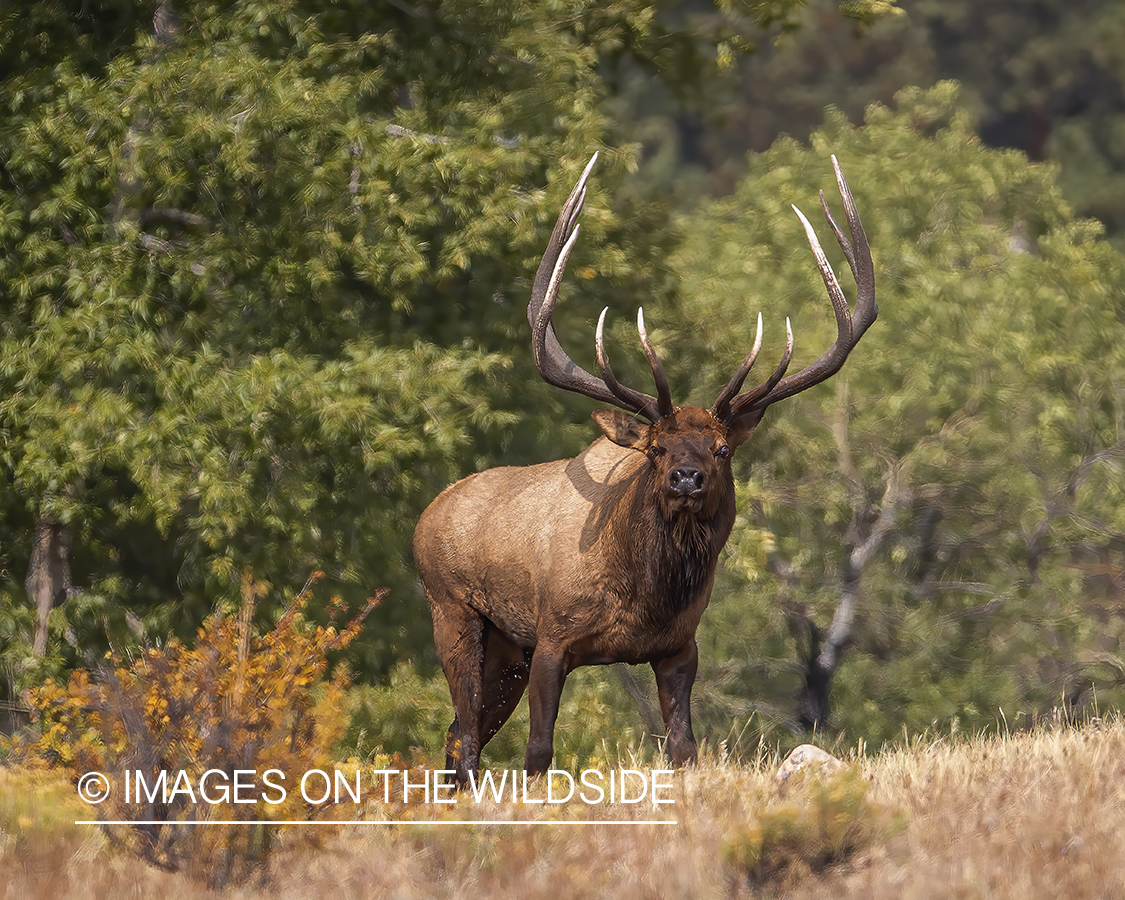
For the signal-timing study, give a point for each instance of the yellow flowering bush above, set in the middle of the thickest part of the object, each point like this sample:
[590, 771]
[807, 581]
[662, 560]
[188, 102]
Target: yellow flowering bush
[220, 732]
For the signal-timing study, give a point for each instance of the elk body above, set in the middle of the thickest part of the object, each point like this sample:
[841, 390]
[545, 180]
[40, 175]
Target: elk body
[609, 557]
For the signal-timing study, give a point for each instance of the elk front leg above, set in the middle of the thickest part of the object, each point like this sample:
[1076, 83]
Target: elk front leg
[548, 672]
[675, 676]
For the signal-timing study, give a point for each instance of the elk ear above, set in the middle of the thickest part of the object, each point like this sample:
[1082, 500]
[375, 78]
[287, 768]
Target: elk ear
[622, 428]
[740, 430]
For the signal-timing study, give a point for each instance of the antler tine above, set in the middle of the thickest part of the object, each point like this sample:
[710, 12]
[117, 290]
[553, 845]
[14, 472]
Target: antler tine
[628, 397]
[835, 292]
[663, 393]
[564, 228]
[786, 357]
[859, 256]
[551, 360]
[722, 404]
[849, 329]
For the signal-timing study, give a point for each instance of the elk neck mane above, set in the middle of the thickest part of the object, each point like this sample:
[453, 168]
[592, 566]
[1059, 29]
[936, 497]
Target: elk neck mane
[674, 555]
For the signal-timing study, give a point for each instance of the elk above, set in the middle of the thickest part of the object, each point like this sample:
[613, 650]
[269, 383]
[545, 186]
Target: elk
[608, 557]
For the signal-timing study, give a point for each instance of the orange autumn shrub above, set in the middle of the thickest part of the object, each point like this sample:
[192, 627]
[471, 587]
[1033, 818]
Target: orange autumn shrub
[220, 732]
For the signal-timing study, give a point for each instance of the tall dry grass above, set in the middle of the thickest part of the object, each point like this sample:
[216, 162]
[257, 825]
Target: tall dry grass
[1021, 816]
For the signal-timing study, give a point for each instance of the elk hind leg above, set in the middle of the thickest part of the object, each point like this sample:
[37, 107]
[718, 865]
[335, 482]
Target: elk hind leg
[459, 639]
[506, 670]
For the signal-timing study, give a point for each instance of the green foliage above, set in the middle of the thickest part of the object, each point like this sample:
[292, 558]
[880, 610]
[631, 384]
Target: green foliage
[819, 822]
[980, 415]
[1041, 76]
[411, 713]
[1047, 77]
[262, 270]
[253, 274]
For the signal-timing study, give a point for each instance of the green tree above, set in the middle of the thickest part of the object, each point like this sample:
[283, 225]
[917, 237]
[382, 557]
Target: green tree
[262, 276]
[1042, 76]
[947, 509]
[252, 265]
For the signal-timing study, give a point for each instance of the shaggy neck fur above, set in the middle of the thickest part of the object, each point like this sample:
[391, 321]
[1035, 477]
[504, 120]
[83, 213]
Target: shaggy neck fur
[674, 554]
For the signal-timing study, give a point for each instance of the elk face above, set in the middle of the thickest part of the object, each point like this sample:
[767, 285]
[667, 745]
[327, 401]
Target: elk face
[690, 454]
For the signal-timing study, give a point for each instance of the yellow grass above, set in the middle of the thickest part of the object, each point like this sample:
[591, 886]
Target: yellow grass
[1022, 816]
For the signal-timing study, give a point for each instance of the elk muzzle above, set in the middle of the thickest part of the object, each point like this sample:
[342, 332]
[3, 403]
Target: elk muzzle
[686, 481]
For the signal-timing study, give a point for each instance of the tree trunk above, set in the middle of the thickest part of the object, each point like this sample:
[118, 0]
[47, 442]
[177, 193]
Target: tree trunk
[821, 651]
[48, 575]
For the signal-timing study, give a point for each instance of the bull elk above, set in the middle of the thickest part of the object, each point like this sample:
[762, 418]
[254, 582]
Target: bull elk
[609, 557]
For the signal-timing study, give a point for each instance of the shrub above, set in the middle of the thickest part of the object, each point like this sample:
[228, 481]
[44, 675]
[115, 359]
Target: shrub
[821, 822]
[234, 701]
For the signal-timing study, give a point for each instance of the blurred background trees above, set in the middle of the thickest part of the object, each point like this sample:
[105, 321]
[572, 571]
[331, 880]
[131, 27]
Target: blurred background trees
[263, 269]
[931, 513]
[263, 272]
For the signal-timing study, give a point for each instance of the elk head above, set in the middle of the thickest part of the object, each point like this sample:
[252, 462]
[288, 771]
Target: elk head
[690, 447]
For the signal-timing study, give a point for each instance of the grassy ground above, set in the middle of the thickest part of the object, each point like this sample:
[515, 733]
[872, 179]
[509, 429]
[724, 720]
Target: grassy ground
[1021, 816]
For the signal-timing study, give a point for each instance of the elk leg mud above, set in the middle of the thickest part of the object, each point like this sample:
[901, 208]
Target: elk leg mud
[458, 635]
[675, 676]
[506, 671]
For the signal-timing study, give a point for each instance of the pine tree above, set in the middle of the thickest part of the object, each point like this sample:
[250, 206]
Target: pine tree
[256, 265]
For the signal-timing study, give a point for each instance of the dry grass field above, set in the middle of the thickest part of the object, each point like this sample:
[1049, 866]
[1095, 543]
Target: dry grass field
[1021, 816]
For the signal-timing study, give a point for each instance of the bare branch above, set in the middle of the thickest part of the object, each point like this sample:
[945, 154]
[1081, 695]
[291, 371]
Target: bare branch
[171, 214]
[895, 497]
[1117, 451]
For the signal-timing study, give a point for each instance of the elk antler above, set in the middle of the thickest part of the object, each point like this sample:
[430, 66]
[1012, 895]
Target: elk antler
[849, 329]
[552, 361]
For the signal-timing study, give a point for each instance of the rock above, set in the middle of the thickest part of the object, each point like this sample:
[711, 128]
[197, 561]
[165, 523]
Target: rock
[808, 757]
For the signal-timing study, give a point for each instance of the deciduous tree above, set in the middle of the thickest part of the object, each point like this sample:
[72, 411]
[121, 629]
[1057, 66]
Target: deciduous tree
[945, 518]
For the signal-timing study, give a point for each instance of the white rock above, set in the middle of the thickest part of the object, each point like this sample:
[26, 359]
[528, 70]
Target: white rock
[807, 756]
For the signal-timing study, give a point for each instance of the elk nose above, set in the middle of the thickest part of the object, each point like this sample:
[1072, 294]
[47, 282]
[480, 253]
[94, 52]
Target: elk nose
[686, 480]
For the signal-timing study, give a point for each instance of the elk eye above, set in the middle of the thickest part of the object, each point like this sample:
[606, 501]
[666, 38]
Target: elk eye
[723, 452]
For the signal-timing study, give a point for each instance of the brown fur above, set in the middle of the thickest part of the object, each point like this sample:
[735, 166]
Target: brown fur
[610, 556]
[531, 572]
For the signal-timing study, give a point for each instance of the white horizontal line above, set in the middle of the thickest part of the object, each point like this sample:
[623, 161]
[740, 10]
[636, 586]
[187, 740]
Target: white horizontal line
[384, 822]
